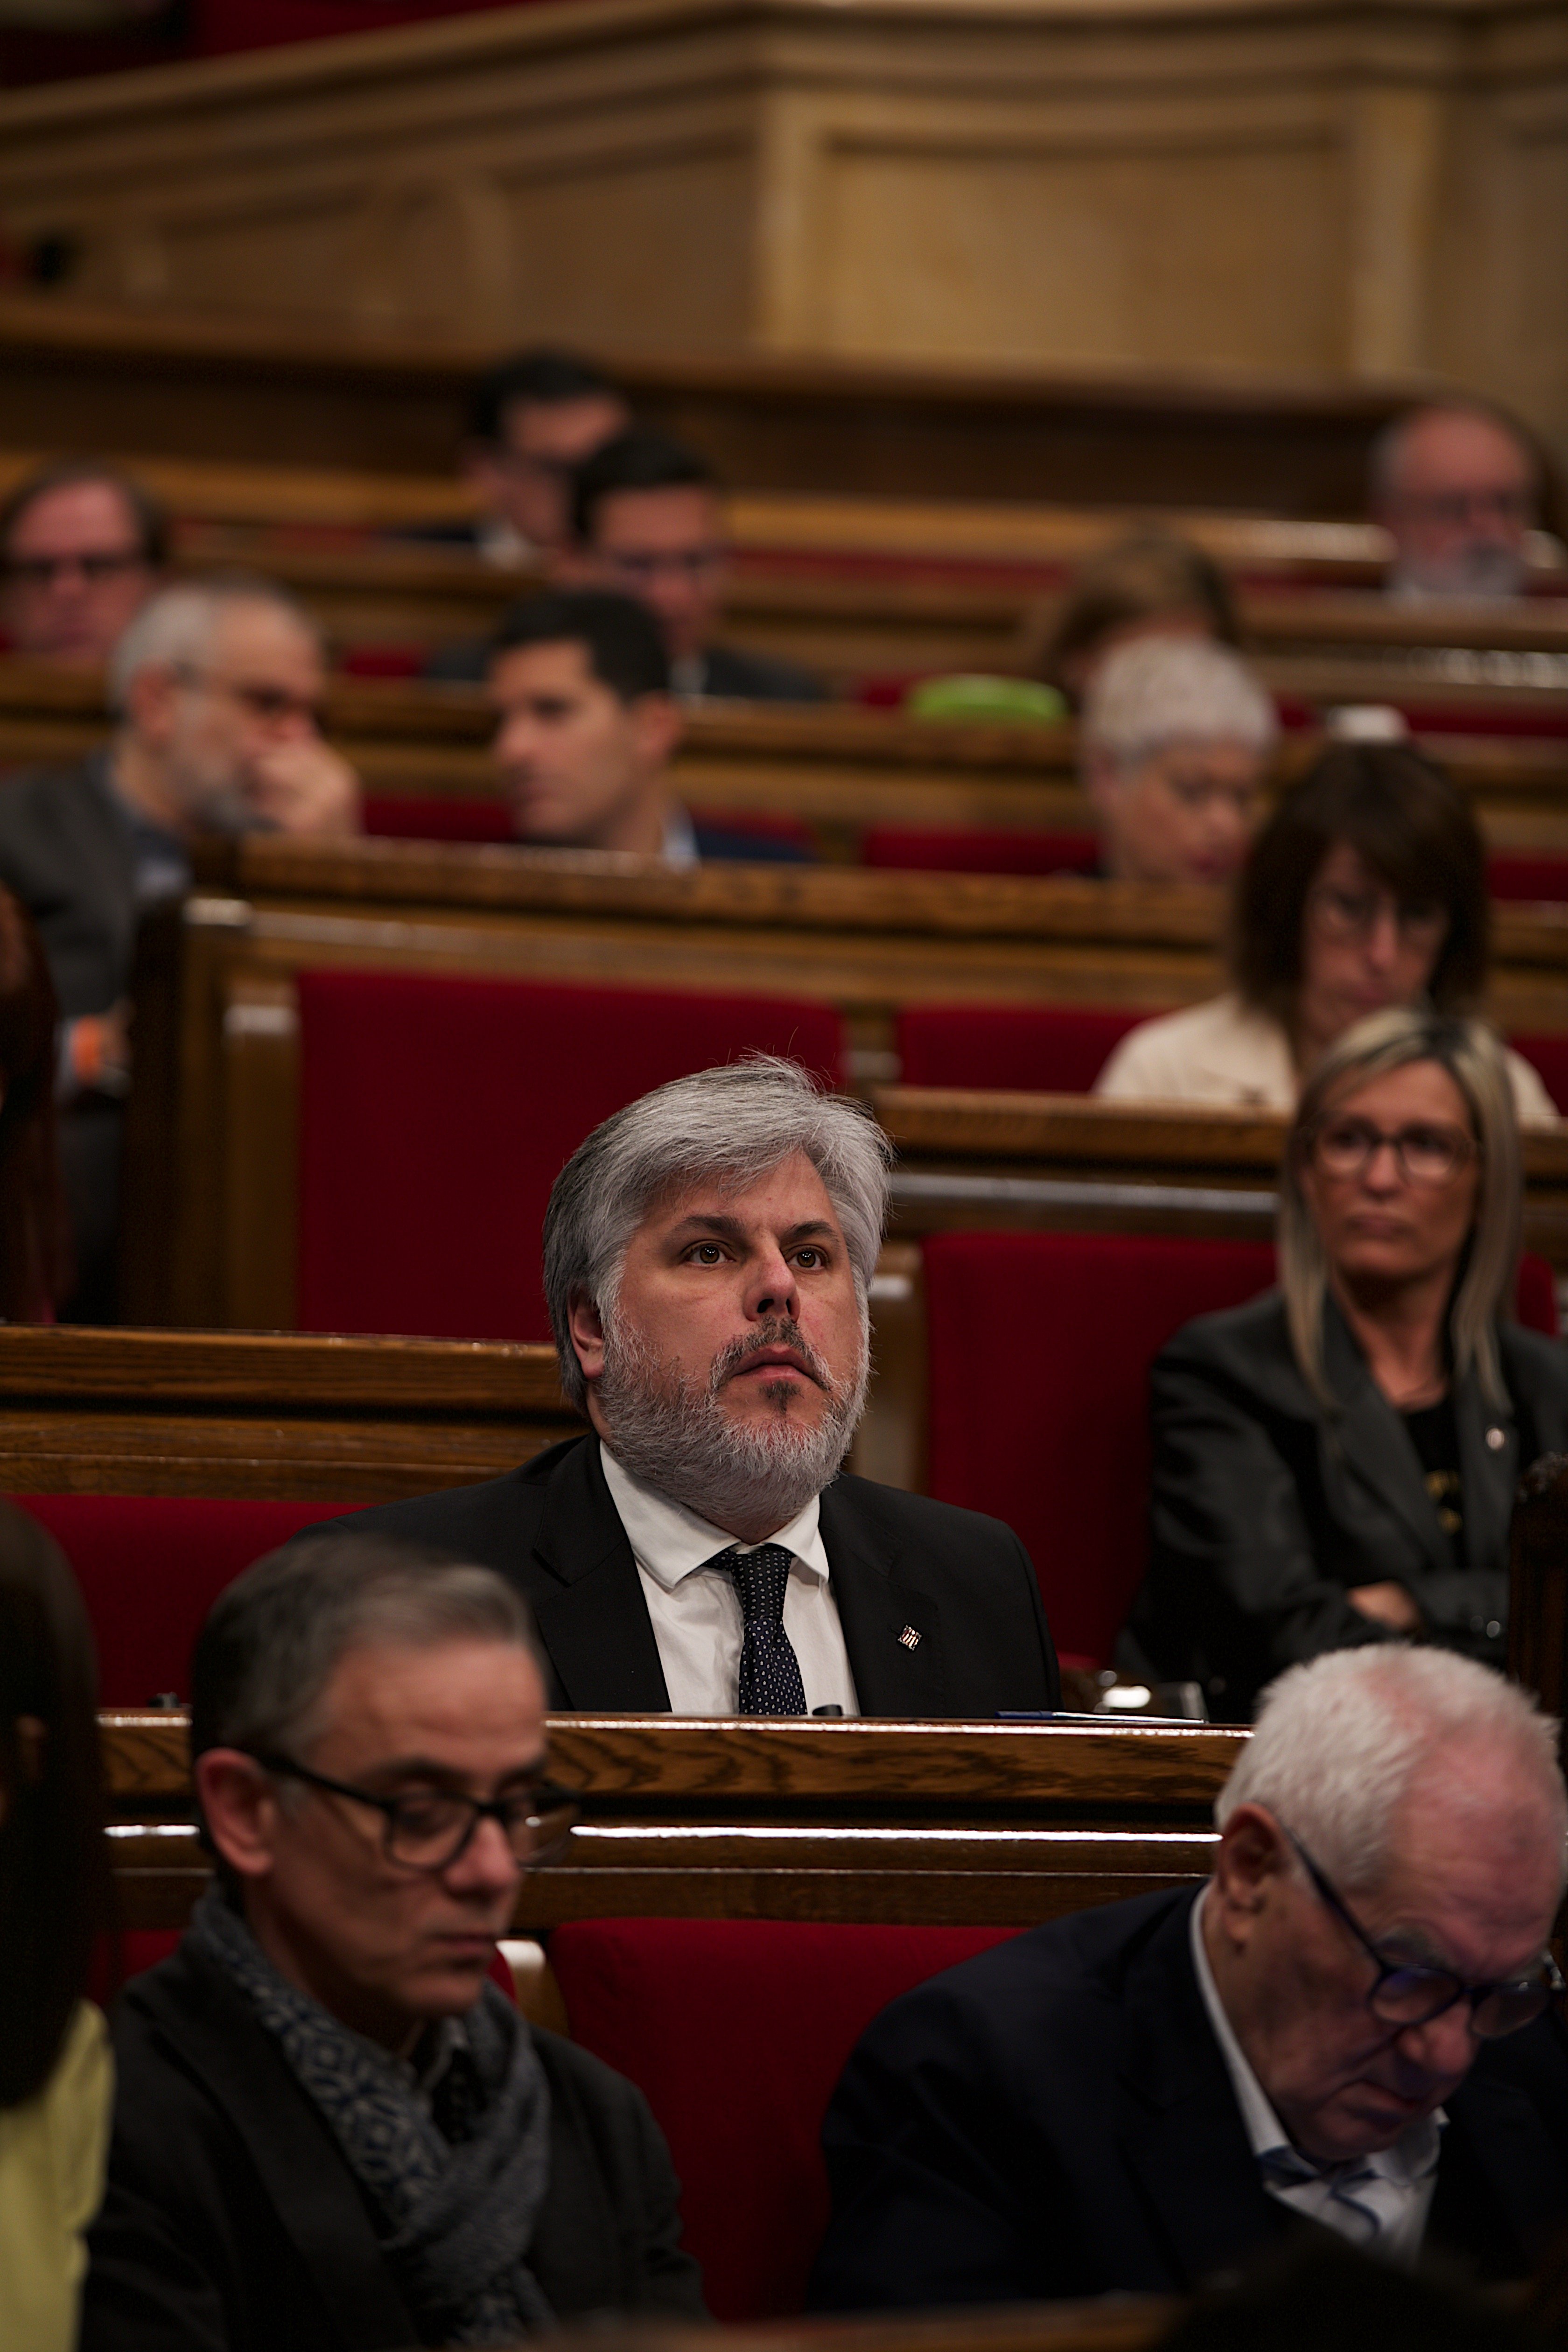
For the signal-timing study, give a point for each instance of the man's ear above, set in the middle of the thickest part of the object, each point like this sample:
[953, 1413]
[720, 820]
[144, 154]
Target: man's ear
[238, 1799]
[150, 702]
[657, 720]
[586, 1326]
[1253, 1856]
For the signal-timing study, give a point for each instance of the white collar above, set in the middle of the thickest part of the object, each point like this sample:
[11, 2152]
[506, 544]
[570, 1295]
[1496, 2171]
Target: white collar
[1409, 2160]
[672, 1543]
[680, 839]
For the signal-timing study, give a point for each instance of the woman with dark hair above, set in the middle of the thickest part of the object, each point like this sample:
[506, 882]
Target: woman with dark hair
[56, 2074]
[1335, 1463]
[1151, 584]
[35, 1257]
[1366, 889]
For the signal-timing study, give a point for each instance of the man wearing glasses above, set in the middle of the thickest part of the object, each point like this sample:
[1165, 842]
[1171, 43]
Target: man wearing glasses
[1457, 488]
[331, 2130]
[1351, 2026]
[217, 690]
[81, 548]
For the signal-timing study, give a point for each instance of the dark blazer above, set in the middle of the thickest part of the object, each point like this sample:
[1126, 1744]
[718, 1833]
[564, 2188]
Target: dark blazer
[1054, 2119]
[964, 1584]
[232, 2223]
[1267, 1508]
[67, 851]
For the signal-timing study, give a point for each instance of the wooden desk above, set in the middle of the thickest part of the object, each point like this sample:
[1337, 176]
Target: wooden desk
[980, 1822]
[262, 1413]
[213, 1128]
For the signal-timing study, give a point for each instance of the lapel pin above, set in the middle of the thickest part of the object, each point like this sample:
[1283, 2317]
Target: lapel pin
[1496, 1440]
[908, 1637]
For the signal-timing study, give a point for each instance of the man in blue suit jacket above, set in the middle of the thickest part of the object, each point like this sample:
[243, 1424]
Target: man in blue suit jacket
[1350, 2026]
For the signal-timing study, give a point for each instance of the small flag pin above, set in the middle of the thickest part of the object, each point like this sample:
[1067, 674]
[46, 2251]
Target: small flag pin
[908, 1637]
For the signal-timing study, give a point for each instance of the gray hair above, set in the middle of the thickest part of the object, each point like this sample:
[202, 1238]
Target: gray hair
[274, 1638]
[1159, 690]
[175, 629]
[735, 1124]
[1341, 1742]
[1386, 460]
[1473, 1058]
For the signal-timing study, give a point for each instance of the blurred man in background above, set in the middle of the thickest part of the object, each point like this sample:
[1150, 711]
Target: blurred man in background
[81, 549]
[1457, 487]
[532, 420]
[648, 518]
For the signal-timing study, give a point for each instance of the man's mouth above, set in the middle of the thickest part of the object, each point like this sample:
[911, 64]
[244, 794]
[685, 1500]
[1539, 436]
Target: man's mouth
[774, 1360]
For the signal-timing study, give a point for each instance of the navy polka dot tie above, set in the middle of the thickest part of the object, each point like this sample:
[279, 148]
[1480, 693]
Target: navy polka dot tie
[770, 1671]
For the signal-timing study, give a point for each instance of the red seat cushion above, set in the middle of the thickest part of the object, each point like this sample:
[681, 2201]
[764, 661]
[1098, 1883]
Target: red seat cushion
[1549, 1056]
[1527, 877]
[1038, 1049]
[737, 2030]
[1535, 1298]
[435, 1114]
[1055, 1439]
[151, 1566]
[399, 817]
[981, 852]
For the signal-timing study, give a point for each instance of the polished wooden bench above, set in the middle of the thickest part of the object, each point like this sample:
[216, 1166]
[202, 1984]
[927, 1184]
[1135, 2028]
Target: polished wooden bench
[1008, 1823]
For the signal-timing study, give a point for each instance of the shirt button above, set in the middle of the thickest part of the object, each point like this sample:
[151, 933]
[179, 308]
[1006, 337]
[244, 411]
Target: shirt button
[1496, 1440]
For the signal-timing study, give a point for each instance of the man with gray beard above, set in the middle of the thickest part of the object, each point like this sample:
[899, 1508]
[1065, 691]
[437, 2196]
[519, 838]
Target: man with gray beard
[708, 1255]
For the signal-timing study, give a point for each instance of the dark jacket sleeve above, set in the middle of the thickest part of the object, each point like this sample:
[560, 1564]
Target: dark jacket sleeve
[1239, 1584]
[609, 2235]
[148, 2288]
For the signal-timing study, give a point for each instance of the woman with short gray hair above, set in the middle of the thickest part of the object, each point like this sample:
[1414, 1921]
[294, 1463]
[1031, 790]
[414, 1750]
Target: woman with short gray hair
[1334, 1463]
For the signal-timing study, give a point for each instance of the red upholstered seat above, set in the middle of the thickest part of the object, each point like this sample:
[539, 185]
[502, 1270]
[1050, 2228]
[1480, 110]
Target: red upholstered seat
[437, 818]
[1036, 1048]
[435, 1114]
[737, 2030]
[1532, 877]
[974, 851]
[150, 1568]
[1548, 1055]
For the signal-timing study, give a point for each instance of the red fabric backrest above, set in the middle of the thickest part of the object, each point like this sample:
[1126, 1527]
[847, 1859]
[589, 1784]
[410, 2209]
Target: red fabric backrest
[736, 2031]
[977, 852]
[1055, 1440]
[1527, 877]
[1548, 1055]
[1536, 1296]
[151, 1566]
[435, 1114]
[398, 817]
[1053, 1049]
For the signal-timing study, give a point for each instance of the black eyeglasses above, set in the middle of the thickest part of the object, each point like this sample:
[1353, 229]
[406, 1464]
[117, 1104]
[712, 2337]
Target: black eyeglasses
[430, 1828]
[42, 571]
[1426, 1152]
[1404, 1993]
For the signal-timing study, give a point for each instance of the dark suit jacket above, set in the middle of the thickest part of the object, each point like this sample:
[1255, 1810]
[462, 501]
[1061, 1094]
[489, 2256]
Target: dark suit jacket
[67, 851]
[1266, 1509]
[964, 1583]
[1054, 2119]
[232, 2223]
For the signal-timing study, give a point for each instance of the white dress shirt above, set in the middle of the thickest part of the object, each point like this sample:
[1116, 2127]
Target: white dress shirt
[1380, 2202]
[696, 1609]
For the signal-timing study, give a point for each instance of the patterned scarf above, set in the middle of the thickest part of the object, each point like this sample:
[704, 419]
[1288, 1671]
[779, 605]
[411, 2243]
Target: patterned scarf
[459, 2212]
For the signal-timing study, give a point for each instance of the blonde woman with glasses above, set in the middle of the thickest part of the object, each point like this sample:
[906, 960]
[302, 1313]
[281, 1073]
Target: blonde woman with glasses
[1335, 1462]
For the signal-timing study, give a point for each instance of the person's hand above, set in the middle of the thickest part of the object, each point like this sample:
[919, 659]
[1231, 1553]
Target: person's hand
[99, 1051]
[1386, 1604]
[305, 787]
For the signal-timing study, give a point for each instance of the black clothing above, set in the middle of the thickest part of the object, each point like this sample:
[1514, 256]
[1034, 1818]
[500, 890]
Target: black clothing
[728, 675]
[898, 1562]
[1435, 1434]
[726, 844]
[1266, 1509]
[232, 2222]
[1056, 2119]
[86, 868]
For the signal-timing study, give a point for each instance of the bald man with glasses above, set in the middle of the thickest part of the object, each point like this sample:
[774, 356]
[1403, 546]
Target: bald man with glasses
[1351, 2026]
[331, 2130]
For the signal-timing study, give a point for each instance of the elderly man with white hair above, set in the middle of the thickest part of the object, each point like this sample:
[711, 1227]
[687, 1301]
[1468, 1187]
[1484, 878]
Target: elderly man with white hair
[216, 688]
[1350, 2026]
[1456, 485]
[708, 1255]
[1172, 743]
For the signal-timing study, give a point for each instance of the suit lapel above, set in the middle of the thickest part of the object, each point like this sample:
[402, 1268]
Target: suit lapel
[592, 1615]
[1182, 2131]
[1489, 1473]
[879, 1608]
[1375, 1444]
[299, 2163]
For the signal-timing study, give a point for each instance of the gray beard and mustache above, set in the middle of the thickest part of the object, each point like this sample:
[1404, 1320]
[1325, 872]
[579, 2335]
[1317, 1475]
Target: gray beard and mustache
[1477, 568]
[677, 1437]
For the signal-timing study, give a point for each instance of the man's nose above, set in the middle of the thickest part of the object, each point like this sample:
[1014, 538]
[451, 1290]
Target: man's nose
[486, 1864]
[772, 1289]
[1444, 2048]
